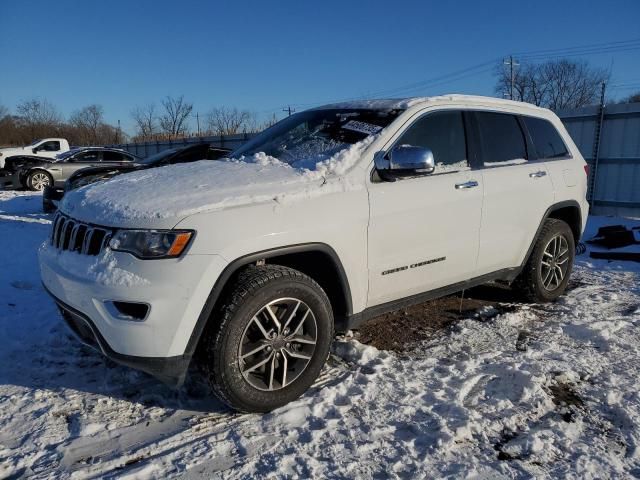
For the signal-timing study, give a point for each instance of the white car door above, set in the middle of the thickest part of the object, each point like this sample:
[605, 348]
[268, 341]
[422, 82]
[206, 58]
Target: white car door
[517, 191]
[424, 231]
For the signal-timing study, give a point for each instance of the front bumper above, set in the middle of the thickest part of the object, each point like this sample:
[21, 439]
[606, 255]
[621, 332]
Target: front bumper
[170, 370]
[175, 290]
[10, 179]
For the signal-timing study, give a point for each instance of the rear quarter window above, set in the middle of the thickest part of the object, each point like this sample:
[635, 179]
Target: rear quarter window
[546, 139]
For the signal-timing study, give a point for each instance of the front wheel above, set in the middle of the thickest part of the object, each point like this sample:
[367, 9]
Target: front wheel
[272, 338]
[38, 180]
[546, 274]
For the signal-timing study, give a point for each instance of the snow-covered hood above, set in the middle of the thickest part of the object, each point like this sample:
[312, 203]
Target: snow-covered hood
[161, 197]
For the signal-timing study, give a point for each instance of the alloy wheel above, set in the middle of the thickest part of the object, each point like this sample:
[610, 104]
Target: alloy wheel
[278, 344]
[39, 181]
[555, 263]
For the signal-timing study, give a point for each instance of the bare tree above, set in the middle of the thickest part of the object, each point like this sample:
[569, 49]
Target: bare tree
[633, 98]
[89, 122]
[269, 122]
[176, 112]
[4, 111]
[38, 117]
[555, 84]
[229, 121]
[145, 120]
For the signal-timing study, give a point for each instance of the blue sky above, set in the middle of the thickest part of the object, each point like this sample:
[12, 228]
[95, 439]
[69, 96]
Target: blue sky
[262, 56]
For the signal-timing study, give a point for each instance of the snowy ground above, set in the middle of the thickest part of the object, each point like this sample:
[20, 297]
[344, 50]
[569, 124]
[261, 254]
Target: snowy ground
[546, 391]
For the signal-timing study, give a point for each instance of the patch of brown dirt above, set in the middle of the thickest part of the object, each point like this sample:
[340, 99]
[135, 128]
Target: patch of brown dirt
[403, 329]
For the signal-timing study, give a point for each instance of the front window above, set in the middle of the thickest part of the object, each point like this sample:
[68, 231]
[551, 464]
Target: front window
[51, 146]
[304, 139]
[443, 133]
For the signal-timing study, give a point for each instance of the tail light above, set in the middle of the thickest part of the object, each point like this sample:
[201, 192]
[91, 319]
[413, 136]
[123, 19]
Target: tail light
[586, 169]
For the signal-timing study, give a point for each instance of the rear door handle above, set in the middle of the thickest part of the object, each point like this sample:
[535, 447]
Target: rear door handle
[469, 184]
[538, 174]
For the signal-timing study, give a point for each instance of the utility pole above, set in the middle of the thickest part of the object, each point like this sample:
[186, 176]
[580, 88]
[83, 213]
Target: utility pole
[511, 64]
[289, 109]
[118, 132]
[198, 121]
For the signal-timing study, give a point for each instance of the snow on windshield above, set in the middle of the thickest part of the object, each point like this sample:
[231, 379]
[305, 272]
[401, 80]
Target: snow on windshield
[310, 138]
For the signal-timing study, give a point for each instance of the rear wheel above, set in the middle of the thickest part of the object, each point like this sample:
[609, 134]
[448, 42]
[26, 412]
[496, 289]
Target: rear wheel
[38, 179]
[273, 338]
[546, 273]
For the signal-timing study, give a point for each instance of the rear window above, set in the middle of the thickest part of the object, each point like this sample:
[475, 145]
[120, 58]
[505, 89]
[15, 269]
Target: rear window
[502, 139]
[546, 139]
[109, 156]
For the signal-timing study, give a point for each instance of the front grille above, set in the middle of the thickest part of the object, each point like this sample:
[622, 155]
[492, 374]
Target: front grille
[69, 234]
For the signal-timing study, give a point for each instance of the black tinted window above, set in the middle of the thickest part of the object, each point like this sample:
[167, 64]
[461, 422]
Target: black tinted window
[545, 138]
[501, 137]
[50, 146]
[108, 156]
[443, 134]
[87, 157]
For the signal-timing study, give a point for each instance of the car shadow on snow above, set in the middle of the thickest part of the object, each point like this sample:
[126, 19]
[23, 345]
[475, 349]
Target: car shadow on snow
[64, 363]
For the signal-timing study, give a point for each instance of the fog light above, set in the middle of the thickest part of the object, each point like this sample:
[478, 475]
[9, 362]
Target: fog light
[128, 310]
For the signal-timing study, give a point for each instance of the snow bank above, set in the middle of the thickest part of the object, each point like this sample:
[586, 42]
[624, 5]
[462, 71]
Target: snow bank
[185, 189]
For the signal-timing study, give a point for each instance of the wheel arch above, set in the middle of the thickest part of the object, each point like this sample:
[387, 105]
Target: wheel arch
[567, 211]
[317, 260]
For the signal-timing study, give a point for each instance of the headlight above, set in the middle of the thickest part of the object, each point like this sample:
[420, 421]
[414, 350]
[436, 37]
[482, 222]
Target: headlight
[147, 244]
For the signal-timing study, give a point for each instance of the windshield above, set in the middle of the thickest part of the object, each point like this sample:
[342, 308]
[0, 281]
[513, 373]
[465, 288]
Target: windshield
[159, 156]
[34, 143]
[306, 138]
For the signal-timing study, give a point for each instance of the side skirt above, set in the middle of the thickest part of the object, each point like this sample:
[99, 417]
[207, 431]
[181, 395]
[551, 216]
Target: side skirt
[355, 320]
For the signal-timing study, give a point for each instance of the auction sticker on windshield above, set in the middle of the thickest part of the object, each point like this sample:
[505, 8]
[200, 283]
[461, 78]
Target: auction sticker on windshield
[362, 127]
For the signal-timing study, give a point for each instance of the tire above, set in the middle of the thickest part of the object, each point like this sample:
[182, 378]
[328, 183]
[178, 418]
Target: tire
[244, 324]
[38, 179]
[545, 276]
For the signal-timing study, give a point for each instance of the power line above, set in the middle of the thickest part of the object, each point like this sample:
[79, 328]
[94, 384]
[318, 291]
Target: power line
[581, 47]
[548, 54]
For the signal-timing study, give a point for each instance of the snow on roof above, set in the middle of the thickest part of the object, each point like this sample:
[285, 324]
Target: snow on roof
[404, 103]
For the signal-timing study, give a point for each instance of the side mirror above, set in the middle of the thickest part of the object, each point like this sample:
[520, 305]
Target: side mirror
[404, 161]
[407, 157]
[34, 150]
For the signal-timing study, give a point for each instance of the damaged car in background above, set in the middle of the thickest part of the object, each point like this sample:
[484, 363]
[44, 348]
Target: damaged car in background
[36, 173]
[53, 193]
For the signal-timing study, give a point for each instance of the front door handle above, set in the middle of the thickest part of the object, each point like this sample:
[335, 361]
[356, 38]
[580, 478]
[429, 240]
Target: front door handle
[538, 174]
[469, 184]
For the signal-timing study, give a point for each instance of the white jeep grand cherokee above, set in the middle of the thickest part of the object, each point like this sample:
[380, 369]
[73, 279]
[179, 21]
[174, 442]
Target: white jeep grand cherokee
[330, 217]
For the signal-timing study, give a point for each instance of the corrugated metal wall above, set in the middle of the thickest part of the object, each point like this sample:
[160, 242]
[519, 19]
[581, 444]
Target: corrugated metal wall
[617, 184]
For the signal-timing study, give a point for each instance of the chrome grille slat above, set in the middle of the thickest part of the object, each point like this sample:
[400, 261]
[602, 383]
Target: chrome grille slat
[87, 241]
[69, 234]
[63, 229]
[74, 234]
[105, 241]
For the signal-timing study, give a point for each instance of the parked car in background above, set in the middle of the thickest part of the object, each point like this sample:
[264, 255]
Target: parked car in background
[52, 194]
[47, 148]
[36, 173]
[332, 216]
